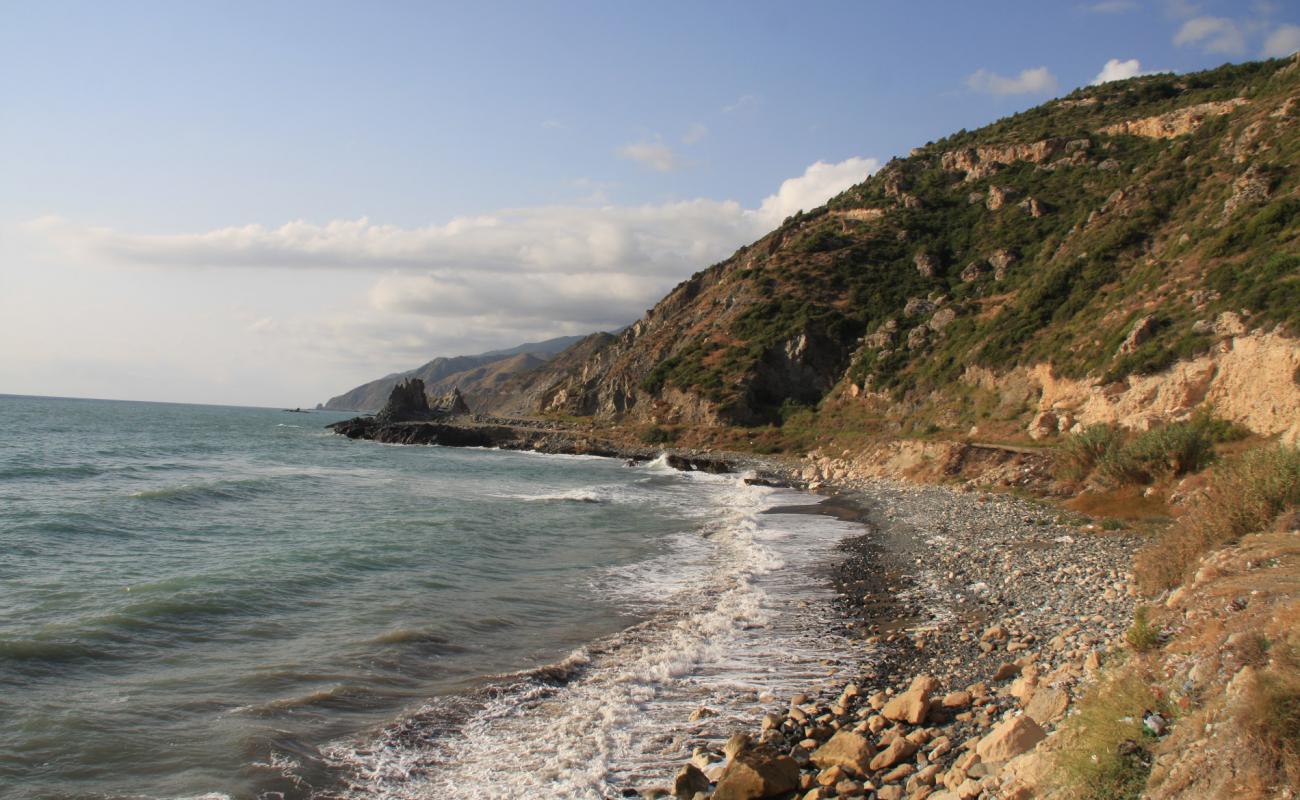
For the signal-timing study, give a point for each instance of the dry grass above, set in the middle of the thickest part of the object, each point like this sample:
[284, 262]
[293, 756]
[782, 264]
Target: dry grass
[1109, 754]
[1244, 495]
[1270, 712]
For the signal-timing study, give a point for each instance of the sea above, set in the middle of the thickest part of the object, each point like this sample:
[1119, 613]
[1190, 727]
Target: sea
[224, 603]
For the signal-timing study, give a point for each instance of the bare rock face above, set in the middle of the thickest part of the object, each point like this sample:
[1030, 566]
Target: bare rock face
[999, 196]
[926, 264]
[407, 403]
[1138, 335]
[756, 774]
[1035, 207]
[451, 404]
[918, 306]
[1253, 187]
[847, 750]
[1043, 424]
[1009, 739]
[973, 272]
[942, 319]
[1175, 123]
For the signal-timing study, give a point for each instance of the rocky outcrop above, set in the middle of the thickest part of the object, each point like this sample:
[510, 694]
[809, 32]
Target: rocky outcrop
[1252, 187]
[1175, 123]
[981, 162]
[1248, 378]
[451, 404]
[406, 403]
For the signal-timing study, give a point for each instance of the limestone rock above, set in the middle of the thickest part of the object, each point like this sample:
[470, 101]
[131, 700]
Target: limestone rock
[689, 781]
[757, 774]
[1009, 739]
[926, 264]
[1043, 424]
[1047, 705]
[973, 272]
[898, 750]
[846, 749]
[1139, 334]
[1001, 259]
[912, 706]
[941, 319]
[999, 196]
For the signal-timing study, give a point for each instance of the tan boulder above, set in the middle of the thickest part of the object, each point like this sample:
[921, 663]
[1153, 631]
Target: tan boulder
[898, 750]
[912, 706]
[688, 782]
[956, 700]
[1010, 738]
[755, 774]
[846, 749]
[1047, 705]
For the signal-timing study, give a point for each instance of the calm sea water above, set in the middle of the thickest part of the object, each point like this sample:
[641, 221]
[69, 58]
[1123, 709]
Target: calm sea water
[231, 602]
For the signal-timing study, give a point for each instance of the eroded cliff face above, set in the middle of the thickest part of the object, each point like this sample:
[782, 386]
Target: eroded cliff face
[1249, 378]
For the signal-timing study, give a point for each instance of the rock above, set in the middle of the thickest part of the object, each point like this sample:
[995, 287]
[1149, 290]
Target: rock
[926, 264]
[918, 307]
[1001, 259]
[898, 773]
[1042, 425]
[1047, 705]
[451, 404]
[956, 700]
[689, 781]
[737, 744]
[846, 749]
[1009, 739]
[1139, 334]
[846, 788]
[998, 197]
[889, 793]
[406, 403]
[898, 750]
[912, 706]
[702, 713]
[941, 319]
[1005, 671]
[973, 272]
[831, 776]
[1035, 207]
[916, 337]
[757, 774]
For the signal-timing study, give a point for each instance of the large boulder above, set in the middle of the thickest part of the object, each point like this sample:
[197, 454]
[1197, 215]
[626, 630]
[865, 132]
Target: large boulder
[755, 774]
[912, 706]
[406, 403]
[846, 749]
[1010, 738]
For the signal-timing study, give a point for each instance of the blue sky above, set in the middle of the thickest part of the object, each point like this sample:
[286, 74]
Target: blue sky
[270, 202]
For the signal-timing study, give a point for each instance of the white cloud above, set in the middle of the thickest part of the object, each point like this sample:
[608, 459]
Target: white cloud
[815, 186]
[467, 285]
[1111, 7]
[654, 154]
[745, 102]
[1282, 42]
[1116, 70]
[1038, 79]
[1212, 34]
[695, 133]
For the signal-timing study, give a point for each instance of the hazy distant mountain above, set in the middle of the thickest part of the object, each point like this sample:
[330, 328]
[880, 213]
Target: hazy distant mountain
[471, 374]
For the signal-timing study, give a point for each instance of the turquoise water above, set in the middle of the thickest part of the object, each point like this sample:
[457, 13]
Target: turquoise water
[231, 601]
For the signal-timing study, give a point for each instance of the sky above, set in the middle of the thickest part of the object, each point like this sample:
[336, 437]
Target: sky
[268, 203]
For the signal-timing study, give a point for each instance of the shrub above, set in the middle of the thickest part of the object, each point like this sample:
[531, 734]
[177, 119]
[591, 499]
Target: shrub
[1109, 754]
[658, 435]
[1244, 496]
[1271, 714]
[1141, 636]
[1081, 452]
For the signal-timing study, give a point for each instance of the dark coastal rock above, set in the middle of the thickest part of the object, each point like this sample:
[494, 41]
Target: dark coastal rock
[406, 403]
[694, 464]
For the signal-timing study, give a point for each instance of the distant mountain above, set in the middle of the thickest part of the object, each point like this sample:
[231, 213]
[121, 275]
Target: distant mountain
[468, 373]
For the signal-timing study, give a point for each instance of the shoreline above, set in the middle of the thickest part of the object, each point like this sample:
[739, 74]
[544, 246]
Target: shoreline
[959, 590]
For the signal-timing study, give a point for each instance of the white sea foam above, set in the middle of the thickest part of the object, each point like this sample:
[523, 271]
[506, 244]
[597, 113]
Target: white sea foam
[741, 625]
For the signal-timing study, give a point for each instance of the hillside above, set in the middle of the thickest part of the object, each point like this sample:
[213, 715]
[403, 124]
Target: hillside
[474, 375]
[1003, 276]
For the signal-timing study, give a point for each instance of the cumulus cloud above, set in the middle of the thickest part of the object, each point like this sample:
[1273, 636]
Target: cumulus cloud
[1116, 70]
[1282, 42]
[474, 282]
[653, 154]
[1035, 80]
[815, 186]
[1212, 35]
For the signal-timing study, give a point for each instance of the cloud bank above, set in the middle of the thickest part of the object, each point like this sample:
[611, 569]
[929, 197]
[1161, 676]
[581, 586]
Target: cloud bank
[1116, 70]
[515, 274]
[1282, 42]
